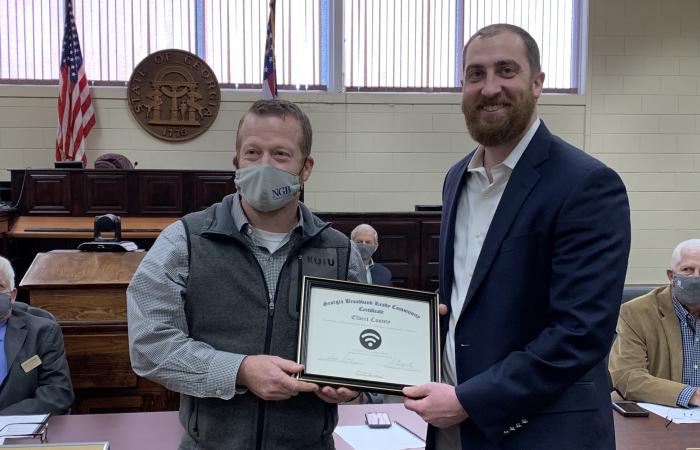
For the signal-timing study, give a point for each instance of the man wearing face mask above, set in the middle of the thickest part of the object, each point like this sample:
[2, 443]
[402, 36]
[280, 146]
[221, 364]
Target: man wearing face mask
[367, 241]
[656, 354]
[213, 308]
[34, 375]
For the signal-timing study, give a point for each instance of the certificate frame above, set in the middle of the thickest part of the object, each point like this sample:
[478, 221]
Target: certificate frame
[419, 309]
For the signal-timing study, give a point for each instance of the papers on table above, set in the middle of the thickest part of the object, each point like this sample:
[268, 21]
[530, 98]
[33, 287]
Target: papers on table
[21, 425]
[396, 437]
[677, 415]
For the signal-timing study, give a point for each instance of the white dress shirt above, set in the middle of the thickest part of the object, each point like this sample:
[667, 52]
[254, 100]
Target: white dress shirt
[475, 209]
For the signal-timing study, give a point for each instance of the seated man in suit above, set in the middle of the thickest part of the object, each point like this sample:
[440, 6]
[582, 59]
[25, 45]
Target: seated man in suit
[34, 376]
[656, 354]
[367, 240]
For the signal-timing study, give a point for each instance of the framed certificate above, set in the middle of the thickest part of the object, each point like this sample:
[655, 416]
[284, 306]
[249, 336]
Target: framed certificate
[367, 337]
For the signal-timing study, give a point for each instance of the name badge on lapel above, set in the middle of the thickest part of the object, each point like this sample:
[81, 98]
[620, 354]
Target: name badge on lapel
[31, 364]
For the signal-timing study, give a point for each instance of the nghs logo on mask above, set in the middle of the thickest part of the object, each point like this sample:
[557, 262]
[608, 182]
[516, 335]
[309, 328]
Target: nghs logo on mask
[281, 192]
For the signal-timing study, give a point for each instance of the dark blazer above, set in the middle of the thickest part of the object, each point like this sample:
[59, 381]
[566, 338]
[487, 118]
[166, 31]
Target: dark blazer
[46, 388]
[380, 274]
[541, 308]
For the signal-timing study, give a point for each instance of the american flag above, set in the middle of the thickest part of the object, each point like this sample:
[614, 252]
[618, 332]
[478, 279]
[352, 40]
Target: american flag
[75, 114]
[269, 88]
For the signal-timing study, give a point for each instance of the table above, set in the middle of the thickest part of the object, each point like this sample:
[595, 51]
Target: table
[26, 227]
[651, 433]
[162, 430]
[355, 415]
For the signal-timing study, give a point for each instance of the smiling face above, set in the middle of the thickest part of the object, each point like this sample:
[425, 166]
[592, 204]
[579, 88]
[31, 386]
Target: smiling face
[499, 91]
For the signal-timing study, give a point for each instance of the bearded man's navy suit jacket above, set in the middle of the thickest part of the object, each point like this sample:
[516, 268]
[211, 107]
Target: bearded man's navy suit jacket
[540, 312]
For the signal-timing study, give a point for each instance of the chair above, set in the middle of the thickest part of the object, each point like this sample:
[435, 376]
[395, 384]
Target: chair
[632, 291]
[113, 161]
[33, 310]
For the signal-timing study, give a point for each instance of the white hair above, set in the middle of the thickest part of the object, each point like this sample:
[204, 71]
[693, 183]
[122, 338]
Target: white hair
[685, 245]
[364, 228]
[7, 273]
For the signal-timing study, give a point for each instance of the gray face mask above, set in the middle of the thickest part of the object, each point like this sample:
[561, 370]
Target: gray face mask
[5, 303]
[266, 188]
[686, 289]
[366, 250]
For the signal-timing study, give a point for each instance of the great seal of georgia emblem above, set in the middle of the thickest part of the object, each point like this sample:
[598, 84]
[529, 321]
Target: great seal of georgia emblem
[174, 95]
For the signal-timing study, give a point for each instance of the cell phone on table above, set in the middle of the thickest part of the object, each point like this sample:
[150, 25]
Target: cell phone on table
[629, 409]
[377, 420]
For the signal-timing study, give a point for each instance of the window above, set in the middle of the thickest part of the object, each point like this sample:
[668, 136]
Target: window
[417, 45]
[403, 45]
[234, 41]
[553, 23]
[116, 35]
[400, 44]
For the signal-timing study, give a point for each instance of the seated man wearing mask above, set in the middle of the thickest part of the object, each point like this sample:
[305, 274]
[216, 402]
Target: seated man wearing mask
[367, 241]
[213, 308]
[656, 353]
[33, 367]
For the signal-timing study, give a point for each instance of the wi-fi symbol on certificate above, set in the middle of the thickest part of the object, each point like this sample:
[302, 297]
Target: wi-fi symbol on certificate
[370, 339]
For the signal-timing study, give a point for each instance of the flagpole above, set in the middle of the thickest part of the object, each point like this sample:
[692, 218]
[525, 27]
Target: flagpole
[76, 116]
[269, 82]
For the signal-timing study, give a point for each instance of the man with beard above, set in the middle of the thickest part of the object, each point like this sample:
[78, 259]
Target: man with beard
[534, 244]
[656, 353]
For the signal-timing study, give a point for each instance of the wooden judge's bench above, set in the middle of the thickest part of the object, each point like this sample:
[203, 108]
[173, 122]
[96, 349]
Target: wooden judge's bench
[86, 291]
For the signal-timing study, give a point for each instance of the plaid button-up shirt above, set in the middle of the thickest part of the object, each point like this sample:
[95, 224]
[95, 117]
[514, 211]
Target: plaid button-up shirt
[691, 352]
[159, 340]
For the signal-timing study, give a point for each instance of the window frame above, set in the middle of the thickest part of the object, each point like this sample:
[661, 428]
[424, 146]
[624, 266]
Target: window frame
[332, 57]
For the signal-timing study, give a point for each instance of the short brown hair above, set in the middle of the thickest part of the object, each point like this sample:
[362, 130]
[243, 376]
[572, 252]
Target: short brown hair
[532, 50]
[280, 108]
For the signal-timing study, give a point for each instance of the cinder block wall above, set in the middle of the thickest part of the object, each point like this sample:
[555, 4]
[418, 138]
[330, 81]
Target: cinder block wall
[382, 152]
[643, 112]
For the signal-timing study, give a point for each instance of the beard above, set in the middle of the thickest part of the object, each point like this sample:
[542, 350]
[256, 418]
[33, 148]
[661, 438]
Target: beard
[496, 131]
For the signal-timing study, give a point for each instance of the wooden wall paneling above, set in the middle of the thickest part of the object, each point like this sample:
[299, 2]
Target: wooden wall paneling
[105, 192]
[16, 189]
[132, 191]
[399, 250]
[4, 228]
[99, 360]
[80, 192]
[101, 402]
[102, 376]
[211, 188]
[160, 193]
[430, 254]
[399, 241]
[93, 315]
[48, 193]
[147, 396]
[78, 305]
